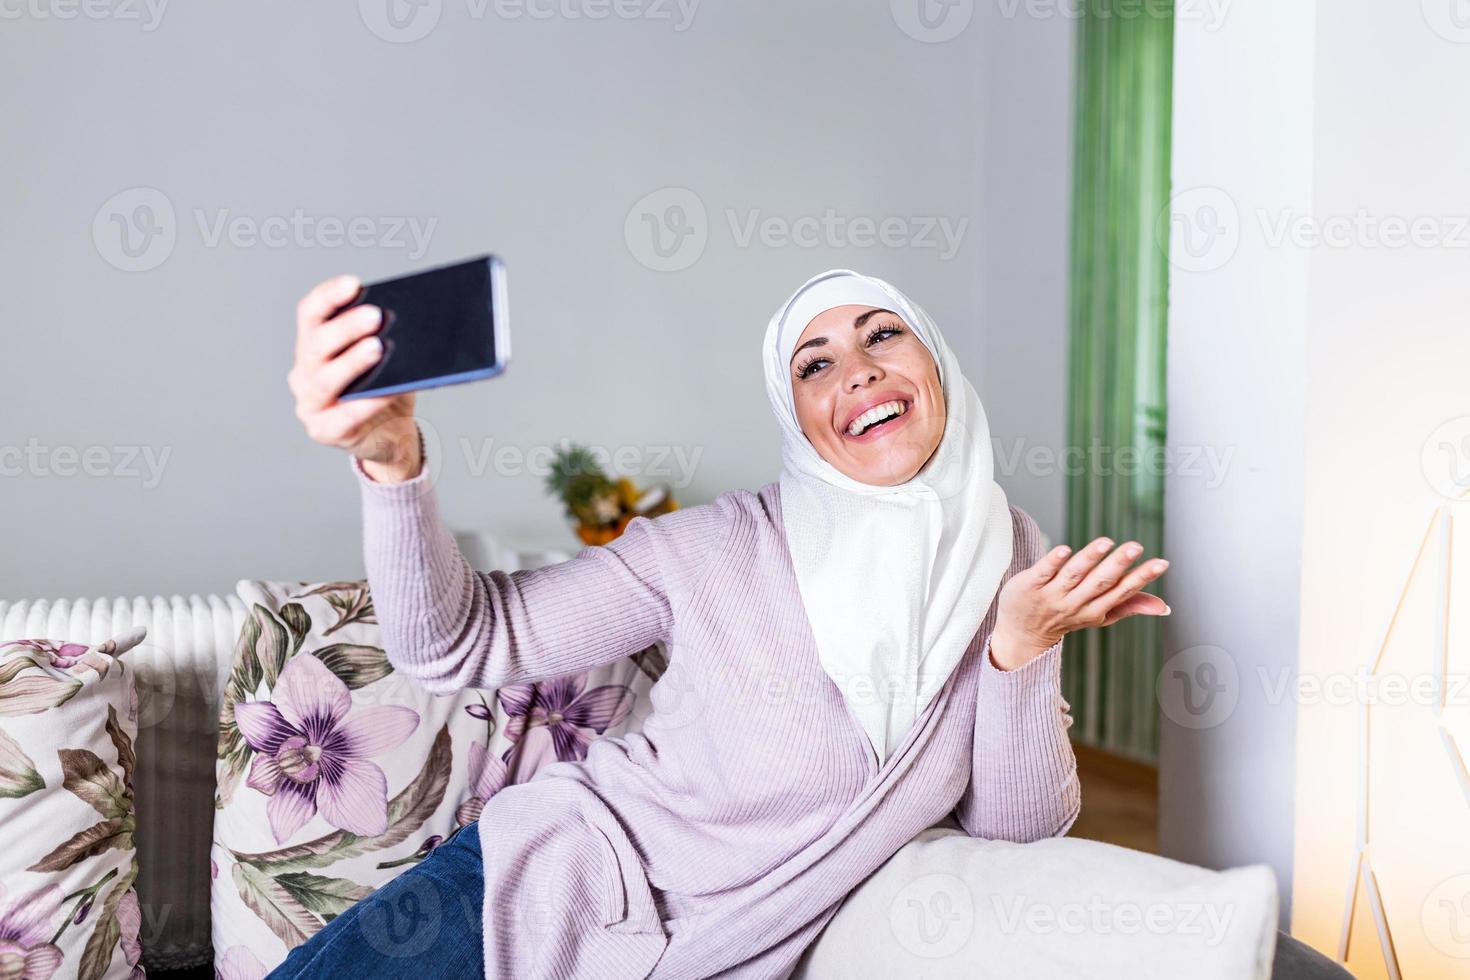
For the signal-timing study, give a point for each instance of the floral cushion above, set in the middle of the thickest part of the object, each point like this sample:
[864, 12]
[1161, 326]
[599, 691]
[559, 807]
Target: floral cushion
[336, 772]
[68, 719]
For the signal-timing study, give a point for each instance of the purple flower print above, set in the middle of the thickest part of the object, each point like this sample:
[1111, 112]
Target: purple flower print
[129, 922]
[26, 924]
[311, 757]
[238, 963]
[70, 657]
[555, 721]
[487, 777]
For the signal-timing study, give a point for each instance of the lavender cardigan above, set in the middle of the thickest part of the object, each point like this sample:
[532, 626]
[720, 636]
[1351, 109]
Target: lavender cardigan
[721, 839]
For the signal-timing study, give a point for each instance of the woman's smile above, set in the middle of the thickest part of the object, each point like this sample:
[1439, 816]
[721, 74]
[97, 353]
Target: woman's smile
[859, 377]
[877, 416]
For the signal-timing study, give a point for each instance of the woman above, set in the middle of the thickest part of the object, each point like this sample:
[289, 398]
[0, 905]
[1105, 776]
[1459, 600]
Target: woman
[861, 650]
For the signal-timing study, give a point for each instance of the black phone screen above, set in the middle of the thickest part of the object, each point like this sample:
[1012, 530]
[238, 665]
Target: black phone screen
[441, 326]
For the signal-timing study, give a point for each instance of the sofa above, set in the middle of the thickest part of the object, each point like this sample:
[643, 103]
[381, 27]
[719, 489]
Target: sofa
[229, 876]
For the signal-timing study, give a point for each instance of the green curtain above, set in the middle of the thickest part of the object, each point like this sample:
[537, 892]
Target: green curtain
[1119, 305]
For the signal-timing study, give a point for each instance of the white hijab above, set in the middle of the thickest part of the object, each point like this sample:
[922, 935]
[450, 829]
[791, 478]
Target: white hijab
[895, 579]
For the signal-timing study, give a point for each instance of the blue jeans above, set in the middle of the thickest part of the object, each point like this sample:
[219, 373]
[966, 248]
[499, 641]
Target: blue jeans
[424, 923]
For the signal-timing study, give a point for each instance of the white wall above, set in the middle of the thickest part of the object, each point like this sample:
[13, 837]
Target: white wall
[1388, 446]
[531, 137]
[1238, 379]
[1322, 337]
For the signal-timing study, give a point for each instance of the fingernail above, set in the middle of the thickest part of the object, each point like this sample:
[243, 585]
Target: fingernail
[376, 316]
[1167, 610]
[374, 346]
[1063, 551]
[348, 280]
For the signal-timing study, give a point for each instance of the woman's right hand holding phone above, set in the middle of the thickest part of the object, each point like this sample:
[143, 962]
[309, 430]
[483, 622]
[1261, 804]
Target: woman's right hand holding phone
[331, 350]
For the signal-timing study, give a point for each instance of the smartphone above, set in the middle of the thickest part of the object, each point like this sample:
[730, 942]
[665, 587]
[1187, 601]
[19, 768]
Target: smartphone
[442, 326]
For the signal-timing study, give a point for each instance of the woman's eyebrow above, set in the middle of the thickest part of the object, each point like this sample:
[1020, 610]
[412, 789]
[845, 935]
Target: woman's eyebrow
[857, 324]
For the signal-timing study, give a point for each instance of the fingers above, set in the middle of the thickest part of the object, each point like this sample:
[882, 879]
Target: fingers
[1080, 564]
[1048, 565]
[1097, 578]
[338, 373]
[1105, 604]
[340, 424]
[318, 305]
[317, 385]
[332, 337]
[1142, 603]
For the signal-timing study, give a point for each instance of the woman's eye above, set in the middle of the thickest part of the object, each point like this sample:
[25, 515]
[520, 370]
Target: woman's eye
[806, 371]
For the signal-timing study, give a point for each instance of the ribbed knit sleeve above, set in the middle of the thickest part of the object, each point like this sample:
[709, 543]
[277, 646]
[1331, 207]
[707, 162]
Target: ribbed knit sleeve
[1023, 785]
[449, 626]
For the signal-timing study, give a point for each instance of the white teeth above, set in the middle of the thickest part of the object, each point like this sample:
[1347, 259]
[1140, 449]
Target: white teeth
[875, 414]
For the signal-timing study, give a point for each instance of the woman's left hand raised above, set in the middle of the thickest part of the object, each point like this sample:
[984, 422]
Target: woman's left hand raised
[1058, 594]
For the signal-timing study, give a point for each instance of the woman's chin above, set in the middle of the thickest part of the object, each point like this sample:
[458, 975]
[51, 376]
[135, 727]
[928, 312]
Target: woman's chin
[887, 466]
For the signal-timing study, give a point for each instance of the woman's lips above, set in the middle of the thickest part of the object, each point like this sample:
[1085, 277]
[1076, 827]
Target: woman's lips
[876, 432]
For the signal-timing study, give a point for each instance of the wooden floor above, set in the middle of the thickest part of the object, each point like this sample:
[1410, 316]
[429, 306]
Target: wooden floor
[1120, 800]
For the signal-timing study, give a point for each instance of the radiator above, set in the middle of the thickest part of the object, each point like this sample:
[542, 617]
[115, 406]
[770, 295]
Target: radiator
[180, 670]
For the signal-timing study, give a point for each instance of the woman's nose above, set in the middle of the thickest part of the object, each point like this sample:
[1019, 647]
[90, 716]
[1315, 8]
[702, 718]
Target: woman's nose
[864, 372]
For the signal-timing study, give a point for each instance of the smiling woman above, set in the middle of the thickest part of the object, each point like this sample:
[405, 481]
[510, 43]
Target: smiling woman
[867, 393]
[885, 571]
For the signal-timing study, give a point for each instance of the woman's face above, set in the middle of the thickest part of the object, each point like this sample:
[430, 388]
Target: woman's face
[853, 367]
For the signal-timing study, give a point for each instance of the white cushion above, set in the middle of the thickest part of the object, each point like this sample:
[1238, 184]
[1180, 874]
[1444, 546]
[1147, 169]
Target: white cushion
[68, 721]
